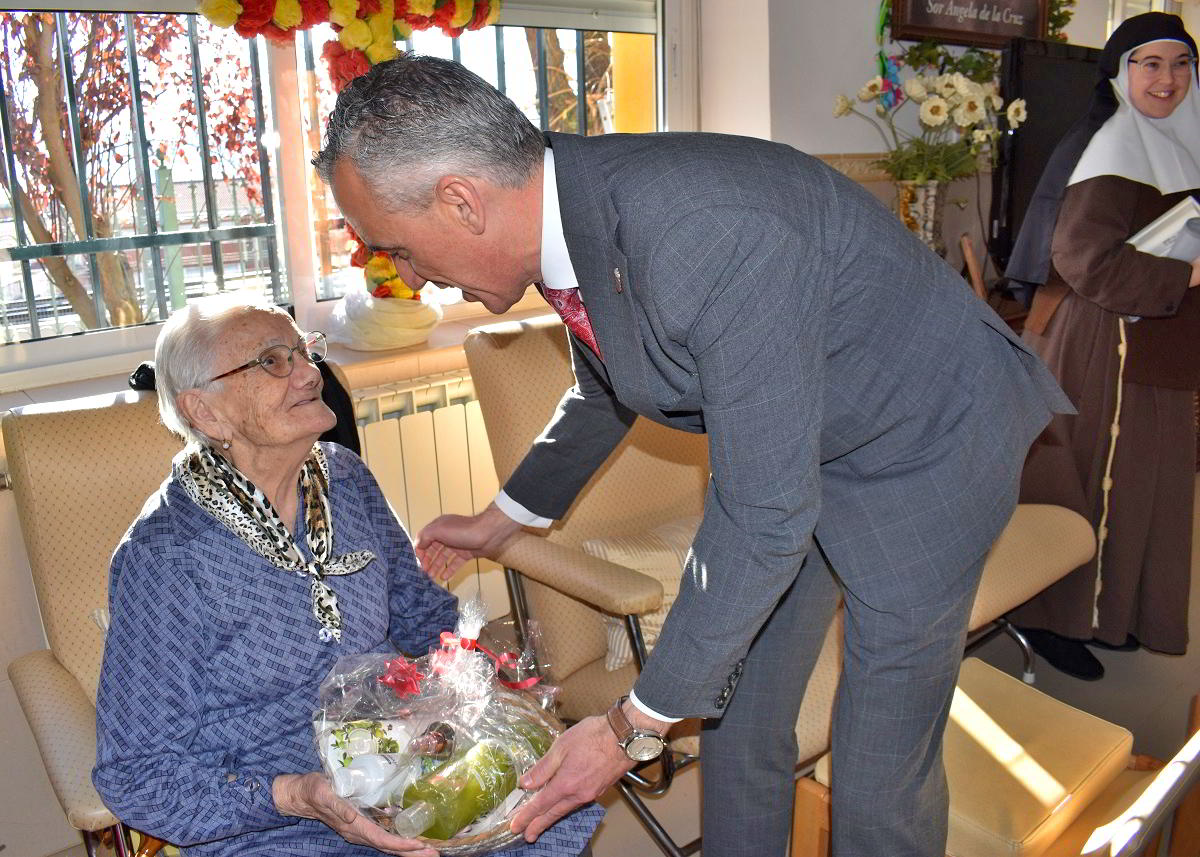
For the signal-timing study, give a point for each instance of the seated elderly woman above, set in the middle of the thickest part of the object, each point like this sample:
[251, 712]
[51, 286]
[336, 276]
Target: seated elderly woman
[263, 558]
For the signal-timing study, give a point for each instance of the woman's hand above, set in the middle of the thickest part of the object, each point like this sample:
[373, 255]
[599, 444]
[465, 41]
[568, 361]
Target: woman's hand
[445, 543]
[1195, 280]
[310, 796]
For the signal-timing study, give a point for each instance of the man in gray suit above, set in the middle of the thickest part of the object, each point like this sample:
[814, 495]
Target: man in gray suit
[867, 418]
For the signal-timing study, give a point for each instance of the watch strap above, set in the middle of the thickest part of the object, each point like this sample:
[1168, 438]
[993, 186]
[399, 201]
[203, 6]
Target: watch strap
[618, 722]
[628, 736]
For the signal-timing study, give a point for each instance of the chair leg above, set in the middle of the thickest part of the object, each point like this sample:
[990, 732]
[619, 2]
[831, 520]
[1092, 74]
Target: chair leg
[123, 841]
[90, 842]
[1026, 650]
[149, 845]
[810, 819]
[520, 606]
[96, 843]
[520, 609]
[653, 826]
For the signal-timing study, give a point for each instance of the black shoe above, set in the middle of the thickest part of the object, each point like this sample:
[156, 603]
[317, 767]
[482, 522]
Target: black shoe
[1131, 644]
[1064, 654]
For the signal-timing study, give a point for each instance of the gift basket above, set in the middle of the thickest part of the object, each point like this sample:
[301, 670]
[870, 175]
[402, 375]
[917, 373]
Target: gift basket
[433, 747]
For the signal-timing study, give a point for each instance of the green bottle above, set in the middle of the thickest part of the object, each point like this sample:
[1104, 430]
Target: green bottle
[471, 784]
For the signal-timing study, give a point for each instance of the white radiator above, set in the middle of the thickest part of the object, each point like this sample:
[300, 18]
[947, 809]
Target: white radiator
[433, 462]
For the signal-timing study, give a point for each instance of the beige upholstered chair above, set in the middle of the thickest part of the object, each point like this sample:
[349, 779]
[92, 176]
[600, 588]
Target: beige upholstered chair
[658, 476]
[520, 371]
[1032, 777]
[81, 471]
[1039, 545]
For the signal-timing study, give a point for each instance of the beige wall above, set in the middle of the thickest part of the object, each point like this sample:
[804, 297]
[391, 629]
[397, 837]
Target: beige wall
[1089, 24]
[735, 63]
[771, 68]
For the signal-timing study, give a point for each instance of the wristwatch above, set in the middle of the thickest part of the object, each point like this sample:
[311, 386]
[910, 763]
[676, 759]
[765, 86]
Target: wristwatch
[640, 745]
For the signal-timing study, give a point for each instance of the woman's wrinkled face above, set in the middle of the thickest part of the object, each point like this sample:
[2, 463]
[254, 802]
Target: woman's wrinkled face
[261, 410]
[1159, 76]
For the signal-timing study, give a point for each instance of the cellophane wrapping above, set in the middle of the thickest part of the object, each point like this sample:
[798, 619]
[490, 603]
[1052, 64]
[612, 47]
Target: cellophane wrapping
[433, 746]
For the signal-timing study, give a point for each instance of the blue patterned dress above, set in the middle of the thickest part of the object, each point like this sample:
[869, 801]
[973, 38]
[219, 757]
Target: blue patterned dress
[212, 663]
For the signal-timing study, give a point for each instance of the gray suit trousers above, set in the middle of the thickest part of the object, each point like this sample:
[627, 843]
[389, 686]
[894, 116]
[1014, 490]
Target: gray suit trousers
[907, 610]
[889, 787]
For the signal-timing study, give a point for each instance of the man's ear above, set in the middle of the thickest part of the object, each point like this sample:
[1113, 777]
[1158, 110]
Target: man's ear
[200, 415]
[463, 202]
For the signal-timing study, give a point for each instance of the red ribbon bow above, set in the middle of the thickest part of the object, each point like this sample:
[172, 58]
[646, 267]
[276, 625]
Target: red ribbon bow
[403, 677]
[507, 660]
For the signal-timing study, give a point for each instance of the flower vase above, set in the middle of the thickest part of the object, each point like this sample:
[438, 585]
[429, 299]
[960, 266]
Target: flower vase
[366, 323]
[920, 205]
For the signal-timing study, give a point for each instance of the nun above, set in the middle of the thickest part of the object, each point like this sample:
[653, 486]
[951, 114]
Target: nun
[1121, 330]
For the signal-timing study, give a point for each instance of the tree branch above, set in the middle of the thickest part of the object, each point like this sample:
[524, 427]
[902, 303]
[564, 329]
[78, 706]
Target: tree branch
[55, 266]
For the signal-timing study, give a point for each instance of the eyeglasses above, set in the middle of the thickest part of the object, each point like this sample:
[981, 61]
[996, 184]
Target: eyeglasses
[279, 360]
[1153, 65]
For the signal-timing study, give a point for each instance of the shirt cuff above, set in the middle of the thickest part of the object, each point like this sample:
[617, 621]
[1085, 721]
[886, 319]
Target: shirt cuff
[519, 513]
[650, 712]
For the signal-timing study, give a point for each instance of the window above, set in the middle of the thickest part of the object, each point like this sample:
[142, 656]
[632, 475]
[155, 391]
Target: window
[573, 81]
[134, 172]
[171, 161]
[1119, 10]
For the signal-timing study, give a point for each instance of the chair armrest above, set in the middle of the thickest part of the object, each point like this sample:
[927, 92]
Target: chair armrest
[1127, 834]
[63, 722]
[605, 585]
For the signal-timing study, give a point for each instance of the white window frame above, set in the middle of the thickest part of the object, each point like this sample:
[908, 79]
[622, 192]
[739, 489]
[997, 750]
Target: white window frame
[1117, 10]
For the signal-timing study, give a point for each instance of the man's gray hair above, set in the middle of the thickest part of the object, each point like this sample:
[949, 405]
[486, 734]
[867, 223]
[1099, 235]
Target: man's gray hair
[185, 354]
[413, 119]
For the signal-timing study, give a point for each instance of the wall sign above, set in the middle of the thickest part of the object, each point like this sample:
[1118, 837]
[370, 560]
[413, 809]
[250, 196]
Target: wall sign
[983, 23]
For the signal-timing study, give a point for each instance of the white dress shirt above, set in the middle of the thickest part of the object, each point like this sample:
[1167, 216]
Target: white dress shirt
[557, 273]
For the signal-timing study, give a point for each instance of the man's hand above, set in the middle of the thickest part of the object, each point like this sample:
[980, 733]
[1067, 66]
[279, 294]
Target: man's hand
[445, 543]
[578, 768]
[310, 796]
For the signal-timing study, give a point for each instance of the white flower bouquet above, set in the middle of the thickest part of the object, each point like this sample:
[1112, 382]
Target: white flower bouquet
[960, 112]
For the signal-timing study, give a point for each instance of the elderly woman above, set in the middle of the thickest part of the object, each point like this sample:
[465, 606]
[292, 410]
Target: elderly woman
[263, 558]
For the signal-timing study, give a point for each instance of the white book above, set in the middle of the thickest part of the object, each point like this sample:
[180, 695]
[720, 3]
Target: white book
[1175, 235]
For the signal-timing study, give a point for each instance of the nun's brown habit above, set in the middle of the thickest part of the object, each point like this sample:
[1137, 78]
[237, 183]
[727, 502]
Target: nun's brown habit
[1073, 250]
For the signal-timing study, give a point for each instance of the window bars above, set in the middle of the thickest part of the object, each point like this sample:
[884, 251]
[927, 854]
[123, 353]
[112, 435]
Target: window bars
[164, 289]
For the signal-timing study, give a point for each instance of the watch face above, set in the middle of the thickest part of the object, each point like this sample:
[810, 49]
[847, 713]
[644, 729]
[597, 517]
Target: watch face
[642, 748]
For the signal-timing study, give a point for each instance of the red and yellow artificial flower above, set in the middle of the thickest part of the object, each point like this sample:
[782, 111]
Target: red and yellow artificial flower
[367, 34]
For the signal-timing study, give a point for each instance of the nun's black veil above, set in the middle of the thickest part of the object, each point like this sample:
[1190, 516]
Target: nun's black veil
[1029, 265]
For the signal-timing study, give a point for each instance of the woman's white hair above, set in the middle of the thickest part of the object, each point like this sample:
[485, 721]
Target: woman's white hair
[186, 351]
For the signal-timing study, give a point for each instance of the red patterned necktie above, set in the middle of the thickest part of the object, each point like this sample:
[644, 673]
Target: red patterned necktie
[569, 306]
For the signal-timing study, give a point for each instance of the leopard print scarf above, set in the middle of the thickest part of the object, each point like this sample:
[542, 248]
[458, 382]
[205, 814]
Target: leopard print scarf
[218, 488]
